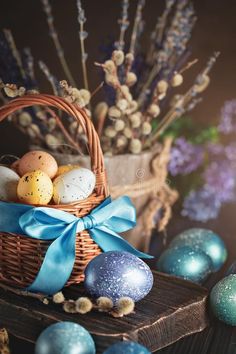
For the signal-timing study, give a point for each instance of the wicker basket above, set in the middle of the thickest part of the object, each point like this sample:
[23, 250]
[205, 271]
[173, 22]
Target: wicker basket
[21, 257]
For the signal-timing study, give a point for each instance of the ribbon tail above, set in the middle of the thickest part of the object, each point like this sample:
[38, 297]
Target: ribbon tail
[108, 240]
[57, 264]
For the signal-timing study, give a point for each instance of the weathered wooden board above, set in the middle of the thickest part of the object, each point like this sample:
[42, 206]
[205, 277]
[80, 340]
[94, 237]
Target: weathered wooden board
[173, 309]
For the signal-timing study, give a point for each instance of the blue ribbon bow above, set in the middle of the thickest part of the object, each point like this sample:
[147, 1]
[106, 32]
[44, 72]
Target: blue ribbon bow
[42, 223]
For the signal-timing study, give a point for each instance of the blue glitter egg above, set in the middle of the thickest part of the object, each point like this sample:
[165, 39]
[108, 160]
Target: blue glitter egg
[65, 338]
[223, 300]
[127, 348]
[185, 262]
[116, 274]
[205, 240]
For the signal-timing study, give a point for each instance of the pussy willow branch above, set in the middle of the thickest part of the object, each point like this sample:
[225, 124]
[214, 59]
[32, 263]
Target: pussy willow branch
[138, 18]
[54, 35]
[16, 55]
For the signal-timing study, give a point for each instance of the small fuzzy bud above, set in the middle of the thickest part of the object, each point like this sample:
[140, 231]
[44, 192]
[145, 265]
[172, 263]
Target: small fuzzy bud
[175, 99]
[25, 119]
[135, 146]
[52, 123]
[128, 133]
[125, 305]
[109, 66]
[129, 57]
[58, 298]
[203, 85]
[121, 141]
[162, 86]
[86, 95]
[118, 57]
[177, 80]
[104, 304]
[131, 79]
[154, 110]
[83, 305]
[146, 128]
[110, 132]
[122, 104]
[69, 306]
[33, 131]
[119, 125]
[52, 141]
[101, 110]
[114, 112]
[135, 119]
[111, 80]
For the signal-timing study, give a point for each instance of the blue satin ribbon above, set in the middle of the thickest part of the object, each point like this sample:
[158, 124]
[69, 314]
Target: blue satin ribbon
[42, 223]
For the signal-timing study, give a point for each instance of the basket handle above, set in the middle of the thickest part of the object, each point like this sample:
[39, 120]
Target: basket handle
[94, 147]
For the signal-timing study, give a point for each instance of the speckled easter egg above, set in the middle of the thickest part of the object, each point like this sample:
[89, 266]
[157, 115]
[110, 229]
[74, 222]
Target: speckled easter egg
[38, 160]
[73, 186]
[116, 274]
[65, 168]
[127, 347]
[185, 262]
[223, 300]
[205, 240]
[8, 184]
[65, 338]
[35, 188]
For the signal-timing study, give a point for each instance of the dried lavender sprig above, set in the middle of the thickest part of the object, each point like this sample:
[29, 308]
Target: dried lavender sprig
[15, 52]
[137, 21]
[49, 76]
[83, 35]
[54, 35]
[124, 24]
[30, 63]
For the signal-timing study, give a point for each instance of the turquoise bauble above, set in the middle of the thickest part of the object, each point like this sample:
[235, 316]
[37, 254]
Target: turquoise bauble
[127, 348]
[185, 262]
[65, 338]
[205, 240]
[223, 300]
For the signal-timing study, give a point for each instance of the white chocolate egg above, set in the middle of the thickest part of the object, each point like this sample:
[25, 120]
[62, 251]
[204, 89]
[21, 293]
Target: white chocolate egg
[8, 184]
[35, 188]
[38, 160]
[73, 186]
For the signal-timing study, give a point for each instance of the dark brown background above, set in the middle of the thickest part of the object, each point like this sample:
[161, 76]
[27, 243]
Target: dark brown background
[215, 30]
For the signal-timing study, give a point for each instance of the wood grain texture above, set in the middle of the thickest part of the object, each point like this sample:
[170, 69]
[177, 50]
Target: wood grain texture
[172, 310]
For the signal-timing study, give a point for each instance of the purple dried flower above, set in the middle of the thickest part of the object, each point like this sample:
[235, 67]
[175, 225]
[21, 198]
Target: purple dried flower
[185, 157]
[228, 117]
[201, 205]
[220, 179]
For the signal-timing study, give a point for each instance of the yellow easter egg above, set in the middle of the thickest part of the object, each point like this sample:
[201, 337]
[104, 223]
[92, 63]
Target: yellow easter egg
[65, 168]
[35, 188]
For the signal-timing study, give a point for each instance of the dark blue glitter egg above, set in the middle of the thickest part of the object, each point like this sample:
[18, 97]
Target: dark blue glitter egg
[223, 300]
[127, 348]
[116, 274]
[205, 240]
[65, 337]
[185, 262]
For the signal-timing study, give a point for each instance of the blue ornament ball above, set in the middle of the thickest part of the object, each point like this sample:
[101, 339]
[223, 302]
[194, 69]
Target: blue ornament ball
[116, 274]
[205, 240]
[127, 348]
[65, 338]
[223, 300]
[185, 262]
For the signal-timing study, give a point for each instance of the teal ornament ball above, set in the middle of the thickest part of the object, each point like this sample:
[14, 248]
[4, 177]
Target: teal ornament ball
[223, 300]
[65, 338]
[127, 348]
[185, 262]
[205, 240]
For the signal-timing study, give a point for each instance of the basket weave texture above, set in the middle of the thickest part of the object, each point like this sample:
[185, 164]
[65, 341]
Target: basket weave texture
[20, 256]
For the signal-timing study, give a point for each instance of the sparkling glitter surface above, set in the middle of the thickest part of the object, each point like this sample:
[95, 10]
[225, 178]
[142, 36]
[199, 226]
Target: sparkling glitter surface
[127, 348]
[116, 274]
[205, 240]
[185, 262]
[65, 338]
[223, 300]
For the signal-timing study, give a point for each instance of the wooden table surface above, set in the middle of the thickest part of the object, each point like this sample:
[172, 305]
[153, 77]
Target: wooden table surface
[217, 338]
